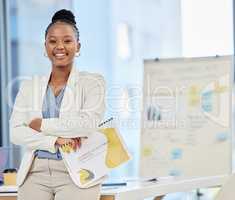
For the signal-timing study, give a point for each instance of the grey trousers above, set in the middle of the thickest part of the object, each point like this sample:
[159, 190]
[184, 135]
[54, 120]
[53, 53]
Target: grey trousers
[49, 180]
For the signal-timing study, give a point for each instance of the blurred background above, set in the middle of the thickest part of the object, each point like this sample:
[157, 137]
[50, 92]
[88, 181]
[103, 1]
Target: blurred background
[116, 36]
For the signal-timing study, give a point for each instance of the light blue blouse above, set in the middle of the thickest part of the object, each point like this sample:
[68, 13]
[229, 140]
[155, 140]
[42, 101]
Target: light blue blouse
[51, 109]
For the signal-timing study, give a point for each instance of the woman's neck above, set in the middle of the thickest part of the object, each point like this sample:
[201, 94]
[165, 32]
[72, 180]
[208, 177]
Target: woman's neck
[59, 75]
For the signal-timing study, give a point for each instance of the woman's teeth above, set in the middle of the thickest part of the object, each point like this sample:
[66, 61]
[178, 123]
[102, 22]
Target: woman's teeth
[59, 55]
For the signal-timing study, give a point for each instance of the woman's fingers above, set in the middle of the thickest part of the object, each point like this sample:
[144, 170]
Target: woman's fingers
[71, 143]
[75, 143]
[79, 143]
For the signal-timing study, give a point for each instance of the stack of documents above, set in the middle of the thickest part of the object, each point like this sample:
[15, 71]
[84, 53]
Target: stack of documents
[99, 153]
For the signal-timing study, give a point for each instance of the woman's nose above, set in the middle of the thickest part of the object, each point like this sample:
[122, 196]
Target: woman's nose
[60, 45]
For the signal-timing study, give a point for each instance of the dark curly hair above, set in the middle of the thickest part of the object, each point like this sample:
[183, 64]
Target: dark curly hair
[65, 16]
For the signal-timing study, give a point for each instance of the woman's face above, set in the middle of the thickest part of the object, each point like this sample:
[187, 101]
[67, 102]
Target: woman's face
[61, 44]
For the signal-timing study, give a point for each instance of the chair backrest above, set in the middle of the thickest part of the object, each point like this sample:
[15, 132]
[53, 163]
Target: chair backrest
[227, 191]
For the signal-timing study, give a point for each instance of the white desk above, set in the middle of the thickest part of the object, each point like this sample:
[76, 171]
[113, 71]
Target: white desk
[137, 191]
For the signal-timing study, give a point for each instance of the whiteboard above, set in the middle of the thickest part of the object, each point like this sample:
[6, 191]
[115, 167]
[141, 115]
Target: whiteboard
[186, 118]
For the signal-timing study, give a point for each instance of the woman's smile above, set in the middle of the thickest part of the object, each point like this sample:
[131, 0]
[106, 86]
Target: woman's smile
[60, 56]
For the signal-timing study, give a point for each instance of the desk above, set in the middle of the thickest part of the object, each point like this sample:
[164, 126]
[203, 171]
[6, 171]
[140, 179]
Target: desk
[140, 191]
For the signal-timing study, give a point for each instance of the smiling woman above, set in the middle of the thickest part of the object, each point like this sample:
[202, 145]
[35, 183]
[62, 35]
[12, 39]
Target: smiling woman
[62, 40]
[62, 43]
[57, 110]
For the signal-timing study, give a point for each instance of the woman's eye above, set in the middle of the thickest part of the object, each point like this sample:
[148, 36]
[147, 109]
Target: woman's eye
[68, 41]
[52, 41]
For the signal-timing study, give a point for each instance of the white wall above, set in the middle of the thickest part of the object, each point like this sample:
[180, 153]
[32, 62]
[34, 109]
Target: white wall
[33, 17]
[93, 23]
[154, 30]
[207, 28]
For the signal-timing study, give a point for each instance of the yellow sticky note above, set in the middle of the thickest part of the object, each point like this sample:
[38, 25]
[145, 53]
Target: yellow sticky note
[194, 95]
[219, 88]
[147, 151]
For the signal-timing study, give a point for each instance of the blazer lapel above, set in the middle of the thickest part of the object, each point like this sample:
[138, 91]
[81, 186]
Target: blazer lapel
[43, 87]
[68, 101]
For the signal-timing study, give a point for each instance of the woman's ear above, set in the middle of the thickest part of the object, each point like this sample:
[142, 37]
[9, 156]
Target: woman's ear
[78, 47]
[45, 50]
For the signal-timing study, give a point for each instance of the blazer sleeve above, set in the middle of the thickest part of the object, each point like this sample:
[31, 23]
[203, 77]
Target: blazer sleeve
[20, 133]
[87, 119]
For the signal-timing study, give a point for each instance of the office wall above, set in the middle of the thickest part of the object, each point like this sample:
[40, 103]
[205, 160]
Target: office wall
[32, 19]
[155, 31]
[93, 22]
[207, 27]
[139, 30]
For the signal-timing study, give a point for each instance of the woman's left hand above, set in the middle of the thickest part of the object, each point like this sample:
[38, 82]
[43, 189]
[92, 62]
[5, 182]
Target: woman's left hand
[36, 124]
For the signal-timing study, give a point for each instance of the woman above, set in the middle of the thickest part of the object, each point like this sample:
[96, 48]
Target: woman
[51, 111]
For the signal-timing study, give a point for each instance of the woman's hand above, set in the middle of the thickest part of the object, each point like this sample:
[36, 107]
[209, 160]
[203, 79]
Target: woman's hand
[75, 143]
[36, 124]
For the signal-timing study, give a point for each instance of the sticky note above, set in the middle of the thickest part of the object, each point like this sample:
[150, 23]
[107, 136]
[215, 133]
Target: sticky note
[176, 153]
[147, 151]
[221, 137]
[193, 95]
[175, 172]
[207, 101]
[219, 88]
